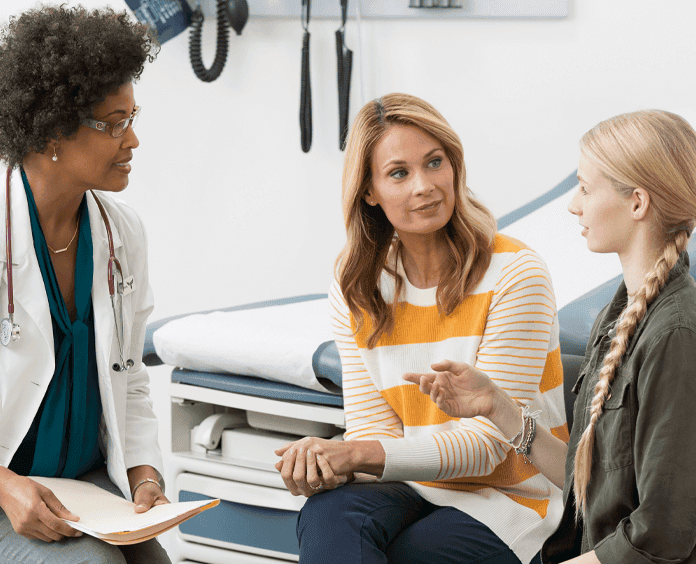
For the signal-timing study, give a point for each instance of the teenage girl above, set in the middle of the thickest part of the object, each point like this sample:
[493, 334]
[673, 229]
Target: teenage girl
[629, 486]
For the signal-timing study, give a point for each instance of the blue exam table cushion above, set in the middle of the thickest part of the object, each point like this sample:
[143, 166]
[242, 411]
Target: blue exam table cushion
[250, 385]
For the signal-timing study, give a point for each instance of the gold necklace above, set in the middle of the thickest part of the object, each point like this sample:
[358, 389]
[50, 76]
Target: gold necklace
[56, 252]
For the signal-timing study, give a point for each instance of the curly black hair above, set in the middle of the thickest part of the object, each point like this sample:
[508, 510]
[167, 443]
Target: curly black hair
[56, 64]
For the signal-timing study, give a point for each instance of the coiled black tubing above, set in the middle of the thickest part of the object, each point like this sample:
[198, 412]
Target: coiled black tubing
[208, 75]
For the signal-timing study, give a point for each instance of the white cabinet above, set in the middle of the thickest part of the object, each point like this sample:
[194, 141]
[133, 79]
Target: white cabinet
[255, 521]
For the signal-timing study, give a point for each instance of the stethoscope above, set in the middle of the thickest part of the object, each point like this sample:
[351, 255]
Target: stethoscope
[10, 331]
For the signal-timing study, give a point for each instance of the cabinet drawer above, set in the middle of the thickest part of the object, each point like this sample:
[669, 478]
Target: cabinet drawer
[250, 518]
[194, 553]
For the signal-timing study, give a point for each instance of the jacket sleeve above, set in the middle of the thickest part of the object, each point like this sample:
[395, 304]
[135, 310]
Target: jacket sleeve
[142, 446]
[661, 529]
[368, 415]
[520, 330]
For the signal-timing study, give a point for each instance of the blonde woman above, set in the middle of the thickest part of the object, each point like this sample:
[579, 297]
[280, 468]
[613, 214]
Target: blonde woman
[630, 487]
[424, 277]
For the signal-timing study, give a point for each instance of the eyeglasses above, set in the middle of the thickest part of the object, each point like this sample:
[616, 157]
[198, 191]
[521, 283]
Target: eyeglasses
[114, 129]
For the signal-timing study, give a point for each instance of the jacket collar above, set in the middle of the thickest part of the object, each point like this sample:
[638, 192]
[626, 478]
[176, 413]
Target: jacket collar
[675, 281]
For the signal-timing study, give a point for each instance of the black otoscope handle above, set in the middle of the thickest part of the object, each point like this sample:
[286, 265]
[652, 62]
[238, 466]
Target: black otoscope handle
[305, 83]
[306, 98]
[344, 59]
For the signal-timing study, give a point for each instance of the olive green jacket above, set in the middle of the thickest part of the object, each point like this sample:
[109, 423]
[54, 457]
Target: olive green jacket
[642, 491]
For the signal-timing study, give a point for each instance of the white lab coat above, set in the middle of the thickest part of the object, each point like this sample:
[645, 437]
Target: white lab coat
[128, 431]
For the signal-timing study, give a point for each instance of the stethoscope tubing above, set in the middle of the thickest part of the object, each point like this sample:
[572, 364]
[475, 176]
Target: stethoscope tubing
[8, 242]
[112, 264]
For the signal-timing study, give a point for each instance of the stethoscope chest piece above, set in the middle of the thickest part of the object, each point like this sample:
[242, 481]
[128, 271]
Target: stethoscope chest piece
[124, 366]
[9, 332]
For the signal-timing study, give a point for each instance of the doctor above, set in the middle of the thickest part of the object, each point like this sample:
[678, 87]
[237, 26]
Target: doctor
[73, 390]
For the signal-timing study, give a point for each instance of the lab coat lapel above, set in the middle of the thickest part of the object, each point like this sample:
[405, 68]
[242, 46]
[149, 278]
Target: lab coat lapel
[112, 384]
[28, 284]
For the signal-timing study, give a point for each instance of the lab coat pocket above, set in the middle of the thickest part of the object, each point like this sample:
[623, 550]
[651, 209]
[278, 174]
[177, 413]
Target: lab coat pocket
[613, 438]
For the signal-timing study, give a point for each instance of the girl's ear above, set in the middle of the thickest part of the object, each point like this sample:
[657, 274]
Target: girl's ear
[369, 198]
[640, 203]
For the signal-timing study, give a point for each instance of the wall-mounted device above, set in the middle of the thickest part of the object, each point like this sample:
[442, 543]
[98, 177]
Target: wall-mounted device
[305, 82]
[230, 13]
[171, 17]
[344, 58]
[417, 9]
[435, 4]
[168, 17]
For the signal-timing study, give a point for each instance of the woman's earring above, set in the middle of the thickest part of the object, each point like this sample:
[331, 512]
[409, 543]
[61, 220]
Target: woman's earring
[55, 157]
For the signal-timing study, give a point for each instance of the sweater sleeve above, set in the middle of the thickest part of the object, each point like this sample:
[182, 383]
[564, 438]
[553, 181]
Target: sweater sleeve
[520, 332]
[368, 415]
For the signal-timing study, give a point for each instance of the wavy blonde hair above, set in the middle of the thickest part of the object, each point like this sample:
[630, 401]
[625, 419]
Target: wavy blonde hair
[656, 151]
[370, 236]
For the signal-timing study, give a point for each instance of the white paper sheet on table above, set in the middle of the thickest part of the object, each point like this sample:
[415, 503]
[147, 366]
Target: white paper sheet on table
[275, 343]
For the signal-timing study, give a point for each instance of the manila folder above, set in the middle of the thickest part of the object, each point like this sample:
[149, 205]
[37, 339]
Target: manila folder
[113, 519]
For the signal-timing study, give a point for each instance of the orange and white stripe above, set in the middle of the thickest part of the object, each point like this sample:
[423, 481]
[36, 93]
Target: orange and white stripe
[508, 328]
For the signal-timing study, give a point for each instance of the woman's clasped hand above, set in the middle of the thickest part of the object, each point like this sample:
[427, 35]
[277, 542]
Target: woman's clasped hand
[306, 469]
[313, 464]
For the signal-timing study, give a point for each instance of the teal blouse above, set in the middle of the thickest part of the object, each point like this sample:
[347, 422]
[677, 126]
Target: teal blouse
[63, 440]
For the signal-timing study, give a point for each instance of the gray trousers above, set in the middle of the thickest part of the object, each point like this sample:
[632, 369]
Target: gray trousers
[86, 549]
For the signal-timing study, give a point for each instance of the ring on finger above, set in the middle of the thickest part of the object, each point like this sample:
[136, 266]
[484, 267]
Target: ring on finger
[319, 487]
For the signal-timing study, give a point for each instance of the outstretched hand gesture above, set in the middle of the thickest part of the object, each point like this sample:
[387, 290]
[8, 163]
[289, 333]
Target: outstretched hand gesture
[458, 389]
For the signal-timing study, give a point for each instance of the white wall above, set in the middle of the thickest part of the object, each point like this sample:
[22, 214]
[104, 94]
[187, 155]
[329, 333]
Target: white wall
[237, 213]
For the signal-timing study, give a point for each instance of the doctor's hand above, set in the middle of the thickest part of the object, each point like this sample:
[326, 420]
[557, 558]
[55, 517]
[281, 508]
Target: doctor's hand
[458, 389]
[34, 511]
[147, 496]
[144, 483]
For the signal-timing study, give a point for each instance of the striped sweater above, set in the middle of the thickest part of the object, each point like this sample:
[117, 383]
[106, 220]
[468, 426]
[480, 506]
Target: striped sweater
[508, 328]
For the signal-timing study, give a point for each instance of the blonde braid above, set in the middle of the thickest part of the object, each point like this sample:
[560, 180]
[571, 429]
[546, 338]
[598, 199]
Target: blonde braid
[650, 288]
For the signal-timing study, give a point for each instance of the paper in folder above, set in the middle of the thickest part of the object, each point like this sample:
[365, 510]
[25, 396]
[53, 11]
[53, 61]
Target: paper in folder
[112, 518]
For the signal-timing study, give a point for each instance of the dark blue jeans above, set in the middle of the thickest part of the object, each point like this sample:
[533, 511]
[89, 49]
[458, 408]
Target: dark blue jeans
[390, 522]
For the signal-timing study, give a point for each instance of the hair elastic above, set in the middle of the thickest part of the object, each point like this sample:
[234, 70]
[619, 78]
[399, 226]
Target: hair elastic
[379, 106]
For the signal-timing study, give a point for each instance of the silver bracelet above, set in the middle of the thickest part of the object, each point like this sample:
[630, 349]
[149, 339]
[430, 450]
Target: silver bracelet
[145, 481]
[527, 444]
[528, 420]
[520, 433]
